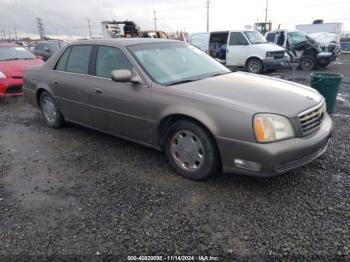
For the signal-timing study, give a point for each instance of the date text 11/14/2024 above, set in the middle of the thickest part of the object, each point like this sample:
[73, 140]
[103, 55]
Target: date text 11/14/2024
[173, 258]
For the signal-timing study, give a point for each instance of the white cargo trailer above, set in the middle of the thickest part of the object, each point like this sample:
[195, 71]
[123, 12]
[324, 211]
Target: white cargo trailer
[335, 28]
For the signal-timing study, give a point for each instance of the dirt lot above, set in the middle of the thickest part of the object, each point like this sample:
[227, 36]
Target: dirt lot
[76, 193]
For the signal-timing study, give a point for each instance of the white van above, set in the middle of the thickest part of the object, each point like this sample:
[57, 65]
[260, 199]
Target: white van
[241, 48]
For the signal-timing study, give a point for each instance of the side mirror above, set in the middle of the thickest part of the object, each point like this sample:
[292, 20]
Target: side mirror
[125, 75]
[46, 49]
[122, 75]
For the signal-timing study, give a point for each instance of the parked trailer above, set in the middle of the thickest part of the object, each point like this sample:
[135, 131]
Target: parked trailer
[335, 28]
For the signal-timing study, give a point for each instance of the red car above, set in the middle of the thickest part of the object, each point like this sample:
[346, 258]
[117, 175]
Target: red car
[14, 59]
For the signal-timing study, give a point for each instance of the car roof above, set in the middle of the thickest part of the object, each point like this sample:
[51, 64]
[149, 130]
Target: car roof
[48, 42]
[124, 41]
[283, 30]
[9, 45]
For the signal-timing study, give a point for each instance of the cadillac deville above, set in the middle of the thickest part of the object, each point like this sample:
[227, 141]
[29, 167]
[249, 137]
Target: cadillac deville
[173, 97]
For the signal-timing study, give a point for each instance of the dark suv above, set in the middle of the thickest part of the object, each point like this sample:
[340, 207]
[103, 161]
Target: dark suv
[47, 49]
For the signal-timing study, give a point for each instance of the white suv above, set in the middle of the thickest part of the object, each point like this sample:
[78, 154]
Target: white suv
[241, 48]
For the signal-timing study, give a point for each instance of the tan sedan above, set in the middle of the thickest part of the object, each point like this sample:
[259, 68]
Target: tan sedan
[173, 97]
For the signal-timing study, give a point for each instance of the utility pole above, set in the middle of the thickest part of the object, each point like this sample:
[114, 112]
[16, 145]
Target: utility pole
[89, 28]
[208, 6]
[155, 20]
[9, 35]
[267, 8]
[16, 34]
[41, 28]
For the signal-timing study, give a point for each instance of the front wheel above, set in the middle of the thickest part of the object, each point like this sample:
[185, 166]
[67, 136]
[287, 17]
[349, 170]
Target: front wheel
[254, 65]
[307, 63]
[191, 150]
[50, 111]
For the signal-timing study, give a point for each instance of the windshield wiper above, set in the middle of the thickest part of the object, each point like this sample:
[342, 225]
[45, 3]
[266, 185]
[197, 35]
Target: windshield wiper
[220, 74]
[9, 59]
[182, 81]
[196, 79]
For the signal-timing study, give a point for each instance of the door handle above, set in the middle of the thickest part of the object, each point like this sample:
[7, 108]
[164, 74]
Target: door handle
[97, 90]
[55, 82]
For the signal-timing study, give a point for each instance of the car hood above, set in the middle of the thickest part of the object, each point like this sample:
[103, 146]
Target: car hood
[15, 68]
[253, 93]
[269, 47]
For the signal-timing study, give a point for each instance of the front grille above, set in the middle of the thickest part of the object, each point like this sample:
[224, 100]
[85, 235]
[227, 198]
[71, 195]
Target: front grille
[14, 90]
[17, 77]
[286, 166]
[278, 55]
[310, 120]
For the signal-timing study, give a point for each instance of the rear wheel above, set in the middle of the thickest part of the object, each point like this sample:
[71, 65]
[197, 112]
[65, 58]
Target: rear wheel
[307, 63]
[191, 150]
[254, 65]
[50, 111]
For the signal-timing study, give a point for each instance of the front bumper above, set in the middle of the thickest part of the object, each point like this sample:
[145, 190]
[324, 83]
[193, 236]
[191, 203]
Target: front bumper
[328, 57]
[276, 63]
[278, 157]
[11, 87]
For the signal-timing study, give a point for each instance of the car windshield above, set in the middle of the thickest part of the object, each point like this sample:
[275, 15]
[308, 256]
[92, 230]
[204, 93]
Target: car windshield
[255, 37]
[54, 46]
[296, 37]
[14, 53]
[174, 63]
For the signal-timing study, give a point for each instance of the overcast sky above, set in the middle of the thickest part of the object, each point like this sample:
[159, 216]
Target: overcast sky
[64, 17]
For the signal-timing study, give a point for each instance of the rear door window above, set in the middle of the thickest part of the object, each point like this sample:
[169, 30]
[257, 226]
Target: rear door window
[78, 60]
[271, 37]
[61, 64]
[109, 59]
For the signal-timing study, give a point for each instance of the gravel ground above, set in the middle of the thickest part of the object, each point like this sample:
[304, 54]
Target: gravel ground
[74, 193]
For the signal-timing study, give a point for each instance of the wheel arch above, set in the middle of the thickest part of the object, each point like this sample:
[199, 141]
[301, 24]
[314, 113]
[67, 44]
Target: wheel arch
[162, 130]
[38, 93]
[252, 57]
[167, 121]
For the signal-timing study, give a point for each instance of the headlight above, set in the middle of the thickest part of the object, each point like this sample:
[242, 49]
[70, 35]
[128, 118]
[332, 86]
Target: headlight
[270, 127]
[269, 54]
[2, 75]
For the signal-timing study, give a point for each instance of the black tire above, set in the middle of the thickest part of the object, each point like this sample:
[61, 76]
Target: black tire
[255, 66]
[54, 118]
[210, 158]
[307, 63]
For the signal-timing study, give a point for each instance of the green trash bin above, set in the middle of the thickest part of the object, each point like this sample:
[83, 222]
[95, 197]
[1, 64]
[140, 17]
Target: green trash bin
[327, 84]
